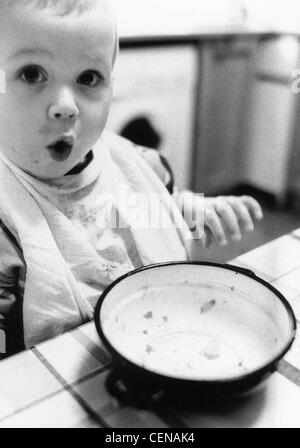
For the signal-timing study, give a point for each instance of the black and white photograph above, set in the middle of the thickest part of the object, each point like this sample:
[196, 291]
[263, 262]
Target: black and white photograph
[149, 217]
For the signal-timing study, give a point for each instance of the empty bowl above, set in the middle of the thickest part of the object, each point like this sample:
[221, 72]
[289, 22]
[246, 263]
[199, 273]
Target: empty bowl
[197, 326]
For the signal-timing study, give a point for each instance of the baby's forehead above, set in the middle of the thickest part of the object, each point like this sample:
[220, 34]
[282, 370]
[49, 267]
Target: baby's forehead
[95, 28]
[100, 10]
[61, 8]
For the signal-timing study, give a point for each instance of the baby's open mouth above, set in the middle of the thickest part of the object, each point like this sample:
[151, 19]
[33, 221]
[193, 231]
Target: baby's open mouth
[61, 149]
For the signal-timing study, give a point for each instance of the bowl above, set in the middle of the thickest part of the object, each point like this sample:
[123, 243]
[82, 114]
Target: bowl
[194, 327]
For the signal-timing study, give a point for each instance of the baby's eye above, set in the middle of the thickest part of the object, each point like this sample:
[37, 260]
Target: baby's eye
[90, 78]
[33, 75]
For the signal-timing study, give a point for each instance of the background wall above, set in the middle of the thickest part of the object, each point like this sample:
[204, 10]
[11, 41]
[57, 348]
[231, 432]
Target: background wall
[150, 16]
[282, 14]
[140, 17]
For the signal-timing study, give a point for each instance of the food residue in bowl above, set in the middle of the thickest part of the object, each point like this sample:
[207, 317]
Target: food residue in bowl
[148, 315]
[149, 348]
[207, 306]
[193, 354]
[199, 333]
[212, 350]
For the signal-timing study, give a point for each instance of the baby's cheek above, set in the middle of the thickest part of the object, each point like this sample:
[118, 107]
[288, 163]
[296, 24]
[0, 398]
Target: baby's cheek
[98, 121]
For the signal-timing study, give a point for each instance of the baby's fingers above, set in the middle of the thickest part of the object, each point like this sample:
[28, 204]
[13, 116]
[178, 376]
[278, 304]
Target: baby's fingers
[242, 213]
[228, 218]
[206, 238]
[253, 206]
[213, 222]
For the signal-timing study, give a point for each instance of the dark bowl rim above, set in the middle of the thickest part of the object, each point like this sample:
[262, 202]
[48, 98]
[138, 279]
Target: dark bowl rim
[117, 356]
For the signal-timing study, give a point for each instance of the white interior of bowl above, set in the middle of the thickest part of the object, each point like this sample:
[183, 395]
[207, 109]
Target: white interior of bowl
[195, 322]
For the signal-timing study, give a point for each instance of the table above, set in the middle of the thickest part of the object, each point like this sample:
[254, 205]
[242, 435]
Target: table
[61, 382]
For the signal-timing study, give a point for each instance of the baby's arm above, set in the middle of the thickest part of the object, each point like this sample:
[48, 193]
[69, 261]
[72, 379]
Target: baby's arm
[7, 303]
[11, 264]
[224, 217]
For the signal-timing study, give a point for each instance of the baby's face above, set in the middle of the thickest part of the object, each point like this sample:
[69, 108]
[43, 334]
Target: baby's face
[58, 87]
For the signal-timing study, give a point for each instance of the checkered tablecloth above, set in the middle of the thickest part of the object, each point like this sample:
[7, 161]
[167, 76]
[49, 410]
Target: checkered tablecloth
[61, 383]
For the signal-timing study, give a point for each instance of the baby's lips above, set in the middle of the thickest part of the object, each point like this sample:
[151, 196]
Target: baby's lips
[69, 139]
[61, 149]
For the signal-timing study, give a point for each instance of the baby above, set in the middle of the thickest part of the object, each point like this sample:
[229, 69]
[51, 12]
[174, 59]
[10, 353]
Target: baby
[72, 193]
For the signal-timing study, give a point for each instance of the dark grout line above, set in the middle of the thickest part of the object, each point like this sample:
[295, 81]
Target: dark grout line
[289, 372]
[93, 349]
[70, 389]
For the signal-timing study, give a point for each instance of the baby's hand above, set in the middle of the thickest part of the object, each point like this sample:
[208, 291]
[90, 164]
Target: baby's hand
[225, 217]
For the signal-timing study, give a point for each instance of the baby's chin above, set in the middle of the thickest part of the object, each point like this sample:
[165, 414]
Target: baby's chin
[59, 169]
[47, 171]
[46, 175]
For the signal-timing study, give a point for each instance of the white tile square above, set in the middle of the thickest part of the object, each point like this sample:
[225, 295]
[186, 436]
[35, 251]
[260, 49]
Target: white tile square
[24, 380]
[291, 295]
[281, 407]
[69, 357]
[5, 408]
[59, 411]
[274, 259]
[291, 280]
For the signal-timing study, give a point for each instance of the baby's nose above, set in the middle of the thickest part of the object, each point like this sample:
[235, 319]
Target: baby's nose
[63, 112]
[63, 106]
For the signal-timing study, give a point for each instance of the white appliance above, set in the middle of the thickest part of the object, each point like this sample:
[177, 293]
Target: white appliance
[272, 114]
[159, 84]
